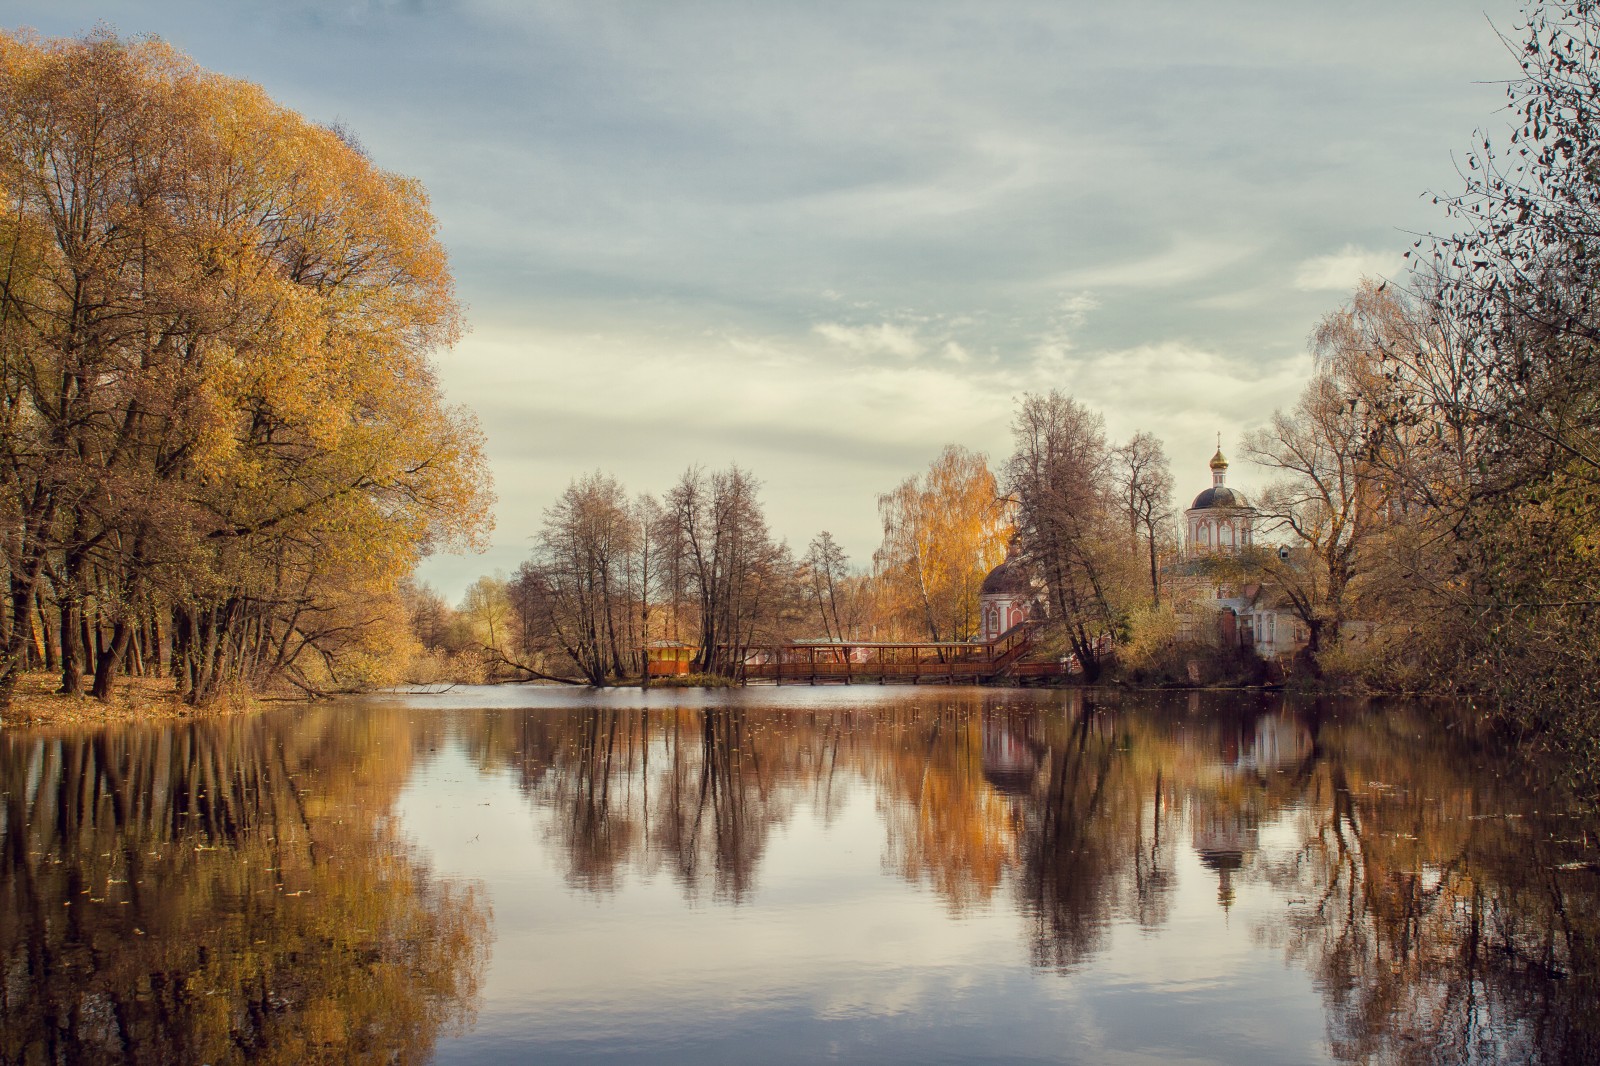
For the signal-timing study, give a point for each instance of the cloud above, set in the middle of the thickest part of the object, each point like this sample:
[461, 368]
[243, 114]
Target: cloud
[1341, 270]
[882, 339]
[1185, 394]
[956, 352]
[825, 435]
[1052, 348]
[1185, 259]
[691, 232]
[1075, 307]
[959, 175]
[1160, 381]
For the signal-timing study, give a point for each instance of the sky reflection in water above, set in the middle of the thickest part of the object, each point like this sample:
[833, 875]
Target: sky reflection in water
[962, 875]
[791, 875]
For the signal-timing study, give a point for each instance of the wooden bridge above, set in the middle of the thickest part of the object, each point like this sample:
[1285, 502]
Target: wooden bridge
[932, 662]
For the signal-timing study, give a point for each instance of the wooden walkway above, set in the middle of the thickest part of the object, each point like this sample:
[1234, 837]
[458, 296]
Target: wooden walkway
[933, 662]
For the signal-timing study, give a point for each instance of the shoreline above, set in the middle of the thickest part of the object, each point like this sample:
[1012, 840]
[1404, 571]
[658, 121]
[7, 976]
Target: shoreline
[36, 704]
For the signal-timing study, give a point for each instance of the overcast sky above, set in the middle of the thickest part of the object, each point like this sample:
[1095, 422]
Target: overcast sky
[824, 239]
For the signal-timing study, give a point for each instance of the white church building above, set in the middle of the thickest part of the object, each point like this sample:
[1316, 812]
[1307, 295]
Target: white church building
[1222, 522]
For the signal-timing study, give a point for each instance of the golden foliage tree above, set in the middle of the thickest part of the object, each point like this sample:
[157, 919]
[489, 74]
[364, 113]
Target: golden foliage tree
[942, 533]
[221, 419]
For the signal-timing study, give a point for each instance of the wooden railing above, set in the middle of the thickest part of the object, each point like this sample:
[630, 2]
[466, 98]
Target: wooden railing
[869, 661]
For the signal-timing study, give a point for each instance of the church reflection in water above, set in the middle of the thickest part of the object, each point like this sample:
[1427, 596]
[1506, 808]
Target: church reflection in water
[1429, 899]
[239, 890]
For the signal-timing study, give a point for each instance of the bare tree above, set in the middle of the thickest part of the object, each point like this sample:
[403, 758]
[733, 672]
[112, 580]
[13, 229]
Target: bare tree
[1144, 487]
[827, 568]
[737, 575]
[1333, 496]
[1060, 477]
[581, 580]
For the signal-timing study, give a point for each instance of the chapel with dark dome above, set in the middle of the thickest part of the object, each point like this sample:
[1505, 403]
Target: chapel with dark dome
[1006, 596]
[1220, 520]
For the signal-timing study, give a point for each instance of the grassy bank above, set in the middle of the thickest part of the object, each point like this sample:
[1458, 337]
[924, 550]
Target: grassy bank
[37, 703]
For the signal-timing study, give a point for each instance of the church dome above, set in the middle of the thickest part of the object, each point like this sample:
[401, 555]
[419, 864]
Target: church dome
[1221, 519]
[1007, 579]
[1219, 496]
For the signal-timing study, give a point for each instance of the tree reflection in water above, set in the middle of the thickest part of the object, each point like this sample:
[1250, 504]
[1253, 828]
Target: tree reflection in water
[224, 891]
[1425, 894]
[234, 890]
[1446, 918]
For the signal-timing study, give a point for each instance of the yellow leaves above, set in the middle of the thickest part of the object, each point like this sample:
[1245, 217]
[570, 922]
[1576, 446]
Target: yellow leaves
[942, 534]
[253, 305]
[949, 827]
[324, 914]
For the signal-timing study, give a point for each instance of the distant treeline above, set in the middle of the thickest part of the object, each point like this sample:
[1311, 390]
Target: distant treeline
[1438, 481]
[611, 574]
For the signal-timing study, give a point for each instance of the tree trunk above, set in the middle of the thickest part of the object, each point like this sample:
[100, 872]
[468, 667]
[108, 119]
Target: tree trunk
[153, 657]
[178, 661]
[1155, 583]
[72, 631]
[22, 590]
[105, 669]
[134, 664]
[51, 658]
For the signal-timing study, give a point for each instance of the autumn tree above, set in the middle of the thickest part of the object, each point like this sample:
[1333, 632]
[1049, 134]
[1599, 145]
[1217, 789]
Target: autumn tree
[487, 614]
[430, 616]
[1070, 533]
[1521, 275]
[445, 649]
[220, 417]
[1325, 499]
[943, 532]
[1520, 280]
[1376, 469]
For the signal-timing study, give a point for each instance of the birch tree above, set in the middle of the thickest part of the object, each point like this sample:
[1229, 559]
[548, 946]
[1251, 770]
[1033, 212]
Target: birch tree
[943, 531]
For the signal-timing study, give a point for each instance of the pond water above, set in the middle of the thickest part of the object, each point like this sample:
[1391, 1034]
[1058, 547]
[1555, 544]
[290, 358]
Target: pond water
[792, 875]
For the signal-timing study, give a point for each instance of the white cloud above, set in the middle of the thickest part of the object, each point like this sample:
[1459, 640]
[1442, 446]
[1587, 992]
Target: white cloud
[1185, 259]
[882, 339]
[1341, 270]
[1052, 349]
[956, 352]
[1186, 395]
[1075, 306]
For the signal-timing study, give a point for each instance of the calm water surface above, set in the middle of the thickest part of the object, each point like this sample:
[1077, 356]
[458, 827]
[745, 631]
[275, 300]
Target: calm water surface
[792, 875]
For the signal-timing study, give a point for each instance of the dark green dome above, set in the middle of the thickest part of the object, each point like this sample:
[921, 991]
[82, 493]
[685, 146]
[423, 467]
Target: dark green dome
[1219, 496]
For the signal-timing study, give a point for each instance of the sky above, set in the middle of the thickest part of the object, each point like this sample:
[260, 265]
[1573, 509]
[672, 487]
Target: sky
[823, 240]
